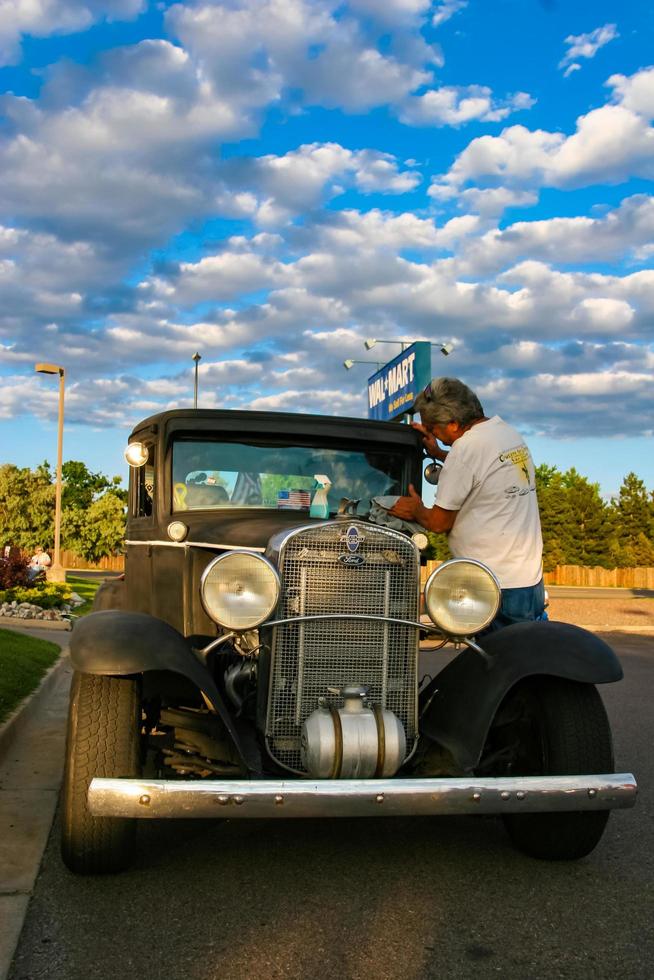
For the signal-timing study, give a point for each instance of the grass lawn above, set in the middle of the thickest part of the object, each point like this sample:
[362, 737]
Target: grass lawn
[24, 659]
[86, 589]
[23, 662]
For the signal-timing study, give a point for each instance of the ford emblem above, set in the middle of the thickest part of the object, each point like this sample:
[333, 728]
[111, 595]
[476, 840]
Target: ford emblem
[352, 561]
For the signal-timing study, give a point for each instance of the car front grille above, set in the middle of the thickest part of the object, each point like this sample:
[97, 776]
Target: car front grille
[309, 659]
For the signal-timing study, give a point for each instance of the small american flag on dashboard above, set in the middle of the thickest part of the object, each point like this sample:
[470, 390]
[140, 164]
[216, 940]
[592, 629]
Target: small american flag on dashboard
[293, 499]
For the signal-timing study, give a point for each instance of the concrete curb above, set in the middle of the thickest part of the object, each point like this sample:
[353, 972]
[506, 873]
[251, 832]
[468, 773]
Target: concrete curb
[31, 764]
[38, 624]
[14, 725]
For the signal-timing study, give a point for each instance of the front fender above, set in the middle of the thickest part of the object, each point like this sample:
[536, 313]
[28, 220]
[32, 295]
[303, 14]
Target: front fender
[461, 702]
[118, 643]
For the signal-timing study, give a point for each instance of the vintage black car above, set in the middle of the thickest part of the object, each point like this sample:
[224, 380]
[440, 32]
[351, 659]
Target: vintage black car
[260, 662]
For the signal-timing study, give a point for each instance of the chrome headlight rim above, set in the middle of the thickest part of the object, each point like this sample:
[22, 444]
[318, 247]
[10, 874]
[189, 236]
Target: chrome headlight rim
[226, 557]
[464, 561]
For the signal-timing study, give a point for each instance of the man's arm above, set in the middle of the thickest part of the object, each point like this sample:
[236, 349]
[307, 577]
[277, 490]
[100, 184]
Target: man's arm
[432, 518]
[430, 442]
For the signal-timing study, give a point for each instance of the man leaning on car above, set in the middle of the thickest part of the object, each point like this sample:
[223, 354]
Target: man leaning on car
[486, 498]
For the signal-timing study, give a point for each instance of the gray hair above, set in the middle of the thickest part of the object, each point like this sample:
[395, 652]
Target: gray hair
[448, 400]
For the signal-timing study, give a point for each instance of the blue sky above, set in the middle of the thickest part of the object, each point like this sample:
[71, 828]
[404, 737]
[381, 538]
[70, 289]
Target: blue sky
[272, 181]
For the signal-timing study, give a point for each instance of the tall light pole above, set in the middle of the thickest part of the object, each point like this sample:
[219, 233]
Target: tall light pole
[56, 573]
[197, 358]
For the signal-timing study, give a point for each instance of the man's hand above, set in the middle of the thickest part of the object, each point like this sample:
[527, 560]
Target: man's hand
[429, 441]
[406, 508]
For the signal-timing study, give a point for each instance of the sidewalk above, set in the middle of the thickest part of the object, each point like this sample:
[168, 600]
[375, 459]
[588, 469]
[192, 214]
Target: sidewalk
[31, 766]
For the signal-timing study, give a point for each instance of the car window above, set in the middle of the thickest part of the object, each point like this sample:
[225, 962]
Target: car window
[209, 475]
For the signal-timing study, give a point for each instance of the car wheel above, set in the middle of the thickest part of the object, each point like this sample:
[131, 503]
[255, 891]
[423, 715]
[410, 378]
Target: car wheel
[103, 739]
[551, 726]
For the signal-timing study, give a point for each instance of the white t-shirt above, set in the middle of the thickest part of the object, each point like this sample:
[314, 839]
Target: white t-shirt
[488, 477]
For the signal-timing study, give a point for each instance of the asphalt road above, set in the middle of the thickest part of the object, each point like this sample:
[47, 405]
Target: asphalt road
[402, 899]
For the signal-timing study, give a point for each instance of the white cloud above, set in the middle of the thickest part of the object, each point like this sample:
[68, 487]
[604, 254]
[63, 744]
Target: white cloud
[586, 45]
[491, 201]
[40, 18]
[456, 105]
[610, 144]
[446, 9]
[219, 277]
[620, 233]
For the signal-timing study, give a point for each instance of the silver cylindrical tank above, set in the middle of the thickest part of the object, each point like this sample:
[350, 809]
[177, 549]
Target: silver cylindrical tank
[353, 742]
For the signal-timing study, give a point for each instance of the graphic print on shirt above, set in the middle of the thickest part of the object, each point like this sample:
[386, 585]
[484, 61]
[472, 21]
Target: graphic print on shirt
[523, 471]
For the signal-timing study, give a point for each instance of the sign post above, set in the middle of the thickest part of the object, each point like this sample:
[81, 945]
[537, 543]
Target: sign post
[393, 389]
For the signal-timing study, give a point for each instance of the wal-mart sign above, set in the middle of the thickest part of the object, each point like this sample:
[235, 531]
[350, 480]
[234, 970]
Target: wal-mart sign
[393, 389]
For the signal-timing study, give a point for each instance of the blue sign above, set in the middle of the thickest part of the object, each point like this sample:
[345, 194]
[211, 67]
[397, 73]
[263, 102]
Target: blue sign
[393, 390]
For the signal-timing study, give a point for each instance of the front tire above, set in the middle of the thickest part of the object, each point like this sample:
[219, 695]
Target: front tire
[103, 739]
[551, 726]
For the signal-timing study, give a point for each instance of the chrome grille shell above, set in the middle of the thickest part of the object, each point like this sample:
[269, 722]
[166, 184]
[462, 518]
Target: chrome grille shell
[308, 658]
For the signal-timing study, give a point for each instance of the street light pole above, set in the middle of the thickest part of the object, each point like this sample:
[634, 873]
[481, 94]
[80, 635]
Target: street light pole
[197, 358]
[56, 573]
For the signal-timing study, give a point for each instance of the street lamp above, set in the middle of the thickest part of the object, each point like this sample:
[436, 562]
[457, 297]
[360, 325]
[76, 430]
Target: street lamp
[197, 358]
[56, 573]
[349, 364]
[444, 347]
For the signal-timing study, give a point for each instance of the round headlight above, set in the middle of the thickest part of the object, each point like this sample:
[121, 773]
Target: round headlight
[239, 590]
[462, 596]
[136, 454]
[177, 531]
[420, 540]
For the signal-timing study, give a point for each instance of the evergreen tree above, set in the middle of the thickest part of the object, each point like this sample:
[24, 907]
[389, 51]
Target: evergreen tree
[555, 517]
[633, 518]
[590, 521]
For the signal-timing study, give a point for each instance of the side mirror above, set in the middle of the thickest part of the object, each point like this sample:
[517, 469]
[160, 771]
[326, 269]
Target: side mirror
[433, 472]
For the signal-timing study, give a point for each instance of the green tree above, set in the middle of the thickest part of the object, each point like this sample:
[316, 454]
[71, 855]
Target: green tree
[97, 531]
[27, 500]
[81, 487]
[590, 521]
[555, 516]
[633, 518]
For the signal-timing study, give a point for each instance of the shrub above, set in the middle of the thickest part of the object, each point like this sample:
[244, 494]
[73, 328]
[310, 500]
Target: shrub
[14, 570]
[51, 595]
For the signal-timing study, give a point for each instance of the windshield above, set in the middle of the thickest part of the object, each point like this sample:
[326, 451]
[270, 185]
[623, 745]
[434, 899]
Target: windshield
[208, 475]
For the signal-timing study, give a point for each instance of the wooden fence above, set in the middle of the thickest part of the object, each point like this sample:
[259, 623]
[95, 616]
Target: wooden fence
[608, 578]
[73, 562]
[621, 578]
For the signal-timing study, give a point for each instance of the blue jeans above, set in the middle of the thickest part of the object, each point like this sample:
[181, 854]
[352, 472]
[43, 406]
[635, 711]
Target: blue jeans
[519, 606]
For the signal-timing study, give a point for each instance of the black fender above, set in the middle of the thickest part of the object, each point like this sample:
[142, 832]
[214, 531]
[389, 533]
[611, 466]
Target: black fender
[118, 644]
[460, 703]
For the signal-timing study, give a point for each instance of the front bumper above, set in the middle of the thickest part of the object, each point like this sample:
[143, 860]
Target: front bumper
[159, 798]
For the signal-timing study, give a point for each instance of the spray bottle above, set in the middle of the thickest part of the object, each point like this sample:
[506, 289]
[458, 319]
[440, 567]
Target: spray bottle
[319, 503]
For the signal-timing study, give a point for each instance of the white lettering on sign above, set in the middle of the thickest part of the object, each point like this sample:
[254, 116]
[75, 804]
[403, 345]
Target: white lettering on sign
[398, 376]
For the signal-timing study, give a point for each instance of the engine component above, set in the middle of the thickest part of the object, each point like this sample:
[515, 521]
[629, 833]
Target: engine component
[237, 678]
[462, 596]
[352, 742]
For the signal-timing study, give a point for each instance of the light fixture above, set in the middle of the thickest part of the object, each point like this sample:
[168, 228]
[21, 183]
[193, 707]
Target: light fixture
[136, 454]
[350, 362]
[445, 347]
[177, 531]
